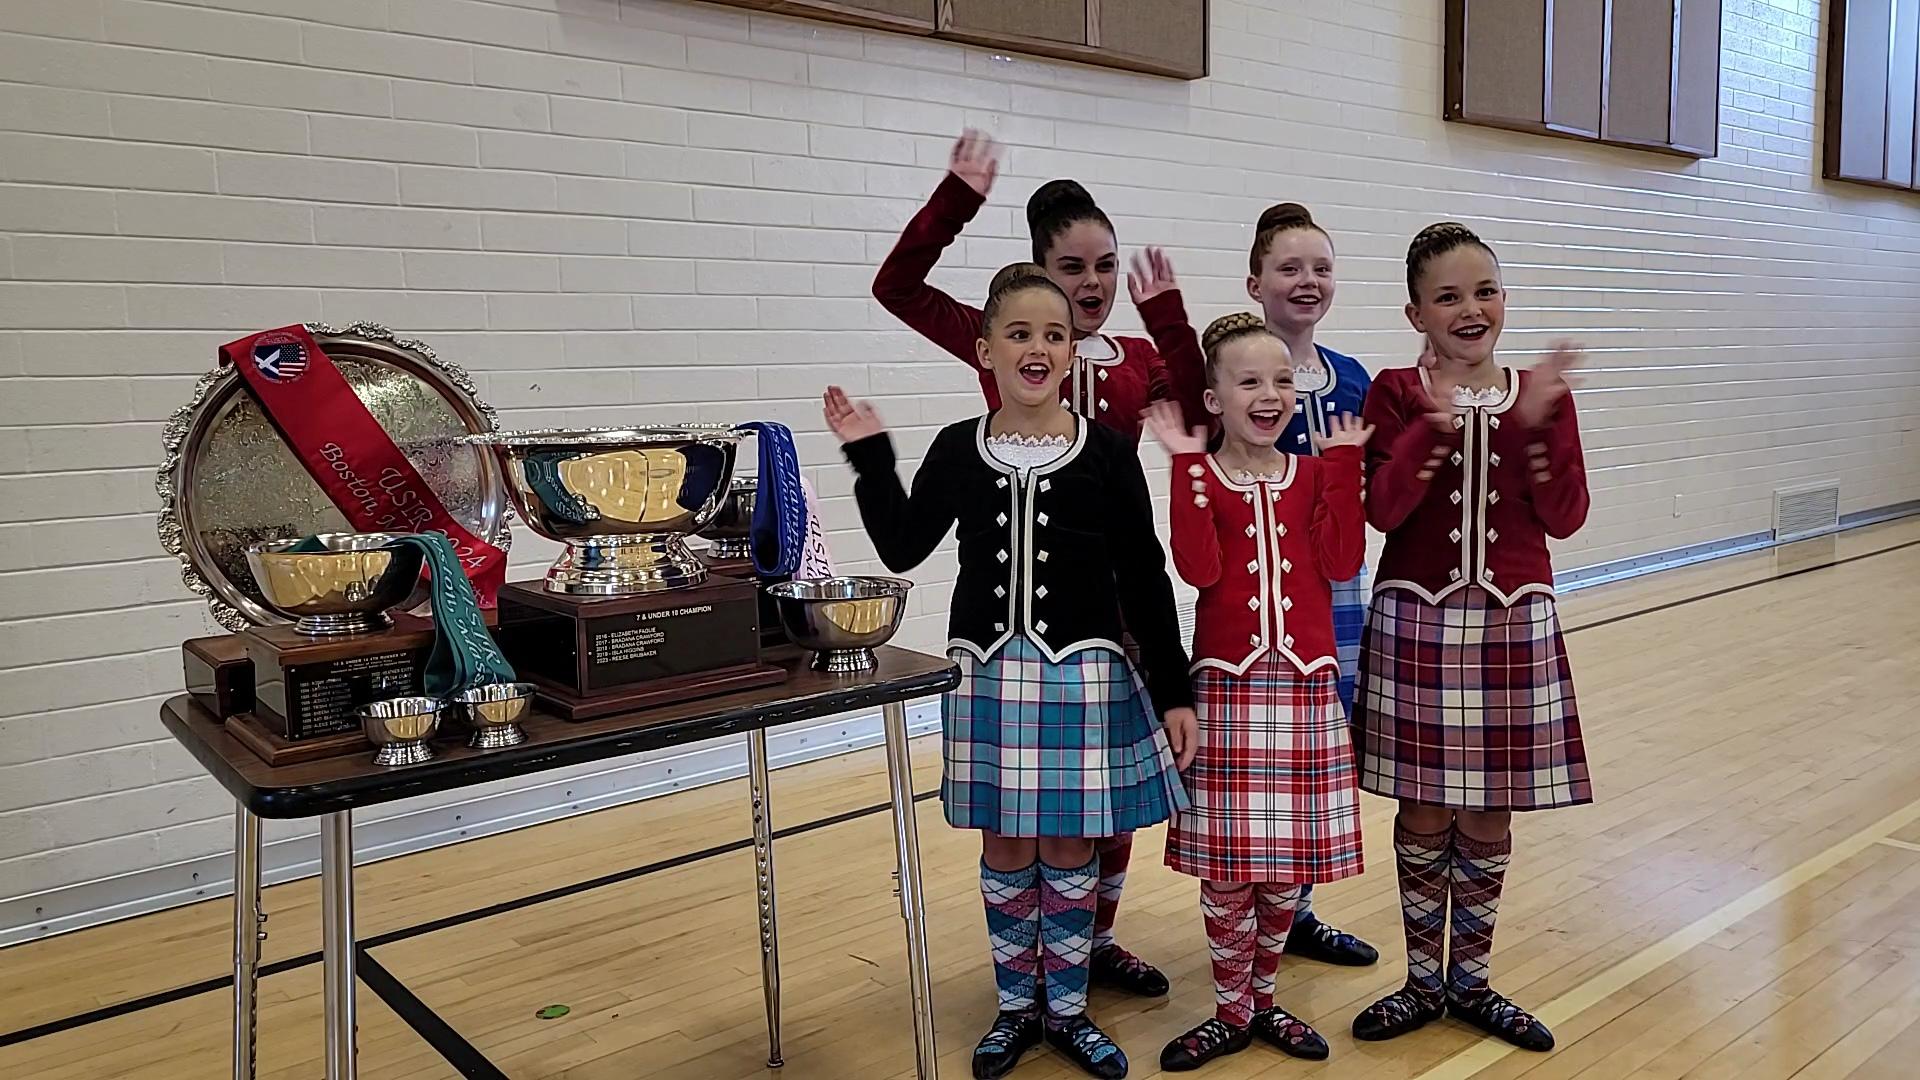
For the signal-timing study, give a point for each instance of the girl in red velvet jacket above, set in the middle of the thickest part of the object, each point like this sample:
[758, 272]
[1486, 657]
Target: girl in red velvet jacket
[1263, 533]
[1111, 379]
[1466, 710]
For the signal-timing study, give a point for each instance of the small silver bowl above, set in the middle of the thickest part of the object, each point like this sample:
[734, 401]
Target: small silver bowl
[399, 728]
[729, 531]
[494, 712]
[348, 588]
[842, 619]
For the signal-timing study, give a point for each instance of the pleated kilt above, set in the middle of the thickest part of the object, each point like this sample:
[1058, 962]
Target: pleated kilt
[1350, 602]
[1035, 748]
[1273, 784]
[1469, 704]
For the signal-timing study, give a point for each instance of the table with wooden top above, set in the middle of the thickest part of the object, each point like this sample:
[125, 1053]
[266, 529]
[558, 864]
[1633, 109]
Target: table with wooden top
[331, 789]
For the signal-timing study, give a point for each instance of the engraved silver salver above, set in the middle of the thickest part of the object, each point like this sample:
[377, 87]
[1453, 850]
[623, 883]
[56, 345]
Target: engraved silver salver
[228, 479]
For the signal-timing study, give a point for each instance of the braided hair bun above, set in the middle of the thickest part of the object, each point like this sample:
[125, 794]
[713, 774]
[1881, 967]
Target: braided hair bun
[1056, 206]
[1434, 241]
[1226, 329]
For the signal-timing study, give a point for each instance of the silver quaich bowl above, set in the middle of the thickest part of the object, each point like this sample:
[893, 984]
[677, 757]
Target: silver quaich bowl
[348, 588]
[730, 529]
[494, 712]
[623, 500]
[400, 729]
[842, 619]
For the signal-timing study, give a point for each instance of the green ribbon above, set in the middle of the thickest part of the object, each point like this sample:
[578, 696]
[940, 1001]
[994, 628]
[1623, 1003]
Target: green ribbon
[464, 654]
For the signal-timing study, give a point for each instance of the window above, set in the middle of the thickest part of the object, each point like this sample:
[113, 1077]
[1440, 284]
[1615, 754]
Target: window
[1160, 37]
[1872, 83]
[1641, 73]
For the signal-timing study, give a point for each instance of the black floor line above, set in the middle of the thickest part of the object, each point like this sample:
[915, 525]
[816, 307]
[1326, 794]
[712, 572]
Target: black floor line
[208, 986]
[1775, 579]
[461, 1054]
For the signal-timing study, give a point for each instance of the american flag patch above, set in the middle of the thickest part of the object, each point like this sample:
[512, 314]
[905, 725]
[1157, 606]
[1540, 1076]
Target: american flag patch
[280, 361]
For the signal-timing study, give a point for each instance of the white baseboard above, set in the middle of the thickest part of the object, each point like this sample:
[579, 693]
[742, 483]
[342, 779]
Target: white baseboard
[57, 911]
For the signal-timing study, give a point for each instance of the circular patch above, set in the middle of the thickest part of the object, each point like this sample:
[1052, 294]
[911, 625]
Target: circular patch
[280, 357]
[552, 1012]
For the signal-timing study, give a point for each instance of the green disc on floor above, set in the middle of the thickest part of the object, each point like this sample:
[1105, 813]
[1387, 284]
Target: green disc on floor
[553, 1012]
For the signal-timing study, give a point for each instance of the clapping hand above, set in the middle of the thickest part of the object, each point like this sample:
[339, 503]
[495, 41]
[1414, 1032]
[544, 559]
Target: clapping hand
[1547, 384]
[976, 159]
[850, 420]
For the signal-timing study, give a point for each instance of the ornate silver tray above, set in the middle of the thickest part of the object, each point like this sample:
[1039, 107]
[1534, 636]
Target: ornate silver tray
[227, 480]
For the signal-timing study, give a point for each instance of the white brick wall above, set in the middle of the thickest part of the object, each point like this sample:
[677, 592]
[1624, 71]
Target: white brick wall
[650, 210]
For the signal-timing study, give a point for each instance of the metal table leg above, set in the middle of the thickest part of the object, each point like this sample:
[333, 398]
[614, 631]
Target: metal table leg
[248, 933]
[763, 880]
[336, 942]
[913, 905]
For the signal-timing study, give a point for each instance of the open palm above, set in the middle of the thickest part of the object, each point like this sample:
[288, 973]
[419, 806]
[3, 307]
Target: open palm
[850, 420]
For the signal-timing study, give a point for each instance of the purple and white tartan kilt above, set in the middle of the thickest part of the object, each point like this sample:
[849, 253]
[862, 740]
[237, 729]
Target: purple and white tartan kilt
[1273, 785]
[1035, 748]
[1469, 704]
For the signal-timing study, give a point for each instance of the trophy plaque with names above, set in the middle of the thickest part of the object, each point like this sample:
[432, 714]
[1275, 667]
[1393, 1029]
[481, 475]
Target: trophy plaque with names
[628, 617]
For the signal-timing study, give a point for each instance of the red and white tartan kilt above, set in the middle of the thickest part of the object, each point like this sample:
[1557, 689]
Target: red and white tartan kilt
[1273, 784]
[1469, 704]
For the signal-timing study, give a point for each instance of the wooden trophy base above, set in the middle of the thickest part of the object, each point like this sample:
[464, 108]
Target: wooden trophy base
[275, 749]
[597, 656]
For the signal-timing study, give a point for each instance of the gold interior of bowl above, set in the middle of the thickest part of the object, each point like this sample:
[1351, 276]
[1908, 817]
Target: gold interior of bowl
[497, 704]
[354, 570]
[406, 719]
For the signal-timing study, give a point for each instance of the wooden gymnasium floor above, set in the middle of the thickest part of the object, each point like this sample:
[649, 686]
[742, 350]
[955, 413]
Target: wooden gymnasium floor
[1743, 901]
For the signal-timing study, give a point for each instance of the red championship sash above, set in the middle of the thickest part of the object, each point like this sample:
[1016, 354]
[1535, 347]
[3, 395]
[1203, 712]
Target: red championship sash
[346, 450]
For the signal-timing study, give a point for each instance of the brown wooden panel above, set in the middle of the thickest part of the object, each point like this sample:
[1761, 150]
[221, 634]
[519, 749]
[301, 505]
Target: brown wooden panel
[1640, 70]
[1169, 32]
[1903, 72]
[1496, 62]
[1860, 53]
[907, 16]
[1576, 64]
[1696, 82]
[1035, 20]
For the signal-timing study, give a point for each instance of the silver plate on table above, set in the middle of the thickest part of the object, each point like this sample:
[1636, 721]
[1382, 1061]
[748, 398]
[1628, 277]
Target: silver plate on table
[228, 480]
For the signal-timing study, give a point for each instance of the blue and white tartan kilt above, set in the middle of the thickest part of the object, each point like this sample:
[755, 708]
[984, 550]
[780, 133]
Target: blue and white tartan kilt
[1035, 748]
[1351, 600]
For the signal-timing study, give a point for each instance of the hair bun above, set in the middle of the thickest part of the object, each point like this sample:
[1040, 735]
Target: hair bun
[1229, 326]
[1013, 273]
[1056, 201]
[1286, 215]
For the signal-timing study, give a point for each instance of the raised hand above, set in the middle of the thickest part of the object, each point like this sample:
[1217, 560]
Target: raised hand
[1547, 384]
[975, 159]
[1168, 425]
[1344, 430]
[1151, 275]
[850, 420]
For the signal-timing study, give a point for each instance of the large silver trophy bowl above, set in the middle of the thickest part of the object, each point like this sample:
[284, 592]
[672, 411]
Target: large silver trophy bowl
[623, 500]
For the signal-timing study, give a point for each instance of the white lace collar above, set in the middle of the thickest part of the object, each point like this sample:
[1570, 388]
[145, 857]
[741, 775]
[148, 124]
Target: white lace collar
[1098, 348]
[1057, 442]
